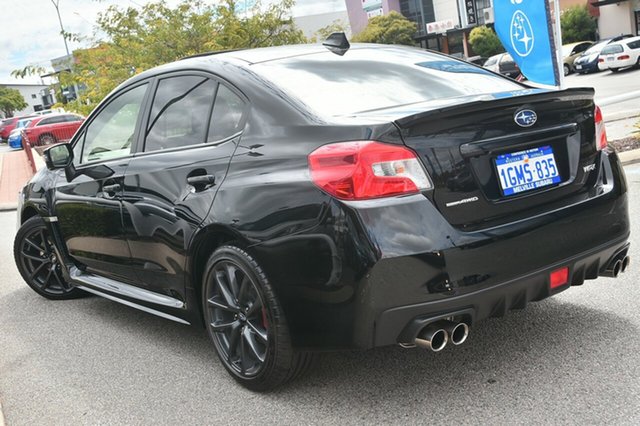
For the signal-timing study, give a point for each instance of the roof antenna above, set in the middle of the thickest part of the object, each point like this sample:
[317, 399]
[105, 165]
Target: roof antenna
[337, 43]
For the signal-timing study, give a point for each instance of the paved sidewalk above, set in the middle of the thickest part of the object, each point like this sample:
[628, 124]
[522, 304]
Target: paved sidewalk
[15, 171]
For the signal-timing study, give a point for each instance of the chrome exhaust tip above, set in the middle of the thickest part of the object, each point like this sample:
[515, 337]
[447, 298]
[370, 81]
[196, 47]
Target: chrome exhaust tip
[625, 263]
[458, 332]
[432, 337]
[617, 266]
[613, 269]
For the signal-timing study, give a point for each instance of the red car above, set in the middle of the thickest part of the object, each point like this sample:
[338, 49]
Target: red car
[8, 124]
[52, 128]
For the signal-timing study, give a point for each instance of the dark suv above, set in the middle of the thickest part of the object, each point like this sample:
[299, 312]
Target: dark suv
[296, 199]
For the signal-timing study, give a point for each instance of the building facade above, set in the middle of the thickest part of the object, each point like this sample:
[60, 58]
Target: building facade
[311, 24]
[442, 25]
[618, 17]
[360, 11]
[37, 96]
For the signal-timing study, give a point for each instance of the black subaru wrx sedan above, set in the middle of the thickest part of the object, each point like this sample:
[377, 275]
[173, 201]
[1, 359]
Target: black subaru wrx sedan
[304, 198]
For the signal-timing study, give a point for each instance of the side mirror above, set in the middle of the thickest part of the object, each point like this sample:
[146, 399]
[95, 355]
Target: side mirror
[59, 156]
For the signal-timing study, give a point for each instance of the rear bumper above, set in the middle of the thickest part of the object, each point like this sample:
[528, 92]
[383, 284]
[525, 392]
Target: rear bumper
[387, 264]
[402, 324]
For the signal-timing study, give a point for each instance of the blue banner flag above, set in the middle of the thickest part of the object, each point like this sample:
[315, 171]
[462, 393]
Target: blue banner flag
[525, 30]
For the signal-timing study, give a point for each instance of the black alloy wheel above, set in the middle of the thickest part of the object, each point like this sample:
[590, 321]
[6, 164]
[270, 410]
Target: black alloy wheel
[246, 322]
[38, 262]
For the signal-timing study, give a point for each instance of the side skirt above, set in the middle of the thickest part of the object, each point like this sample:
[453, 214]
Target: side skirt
[99, 285]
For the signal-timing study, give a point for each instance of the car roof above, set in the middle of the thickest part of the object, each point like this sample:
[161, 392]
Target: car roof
[38, 118]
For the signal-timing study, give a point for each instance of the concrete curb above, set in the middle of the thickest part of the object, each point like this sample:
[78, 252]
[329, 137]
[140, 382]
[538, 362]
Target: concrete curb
[624, 115]
[5, 207]
[629, 157]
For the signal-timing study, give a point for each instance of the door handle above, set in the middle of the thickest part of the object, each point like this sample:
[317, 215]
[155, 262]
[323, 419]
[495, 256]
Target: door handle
[204, 180]
[110, 190]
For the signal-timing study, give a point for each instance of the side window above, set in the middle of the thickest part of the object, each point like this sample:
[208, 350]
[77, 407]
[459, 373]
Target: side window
[581, 48]
[226, 119]
[634, 44]
[44, 122]
[180, 112]
[111, 132]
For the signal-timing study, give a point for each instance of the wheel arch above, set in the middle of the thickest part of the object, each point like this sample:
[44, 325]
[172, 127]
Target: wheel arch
[203, 244]
[27, 213]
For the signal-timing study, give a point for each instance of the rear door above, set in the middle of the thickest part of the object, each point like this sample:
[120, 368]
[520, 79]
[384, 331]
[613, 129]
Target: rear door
[170, 185]
[89, 206]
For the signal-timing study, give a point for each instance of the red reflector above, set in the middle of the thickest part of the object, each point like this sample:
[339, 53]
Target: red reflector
[559, 278]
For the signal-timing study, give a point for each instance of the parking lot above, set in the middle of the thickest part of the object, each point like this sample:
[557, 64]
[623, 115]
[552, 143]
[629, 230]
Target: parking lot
[572, 359]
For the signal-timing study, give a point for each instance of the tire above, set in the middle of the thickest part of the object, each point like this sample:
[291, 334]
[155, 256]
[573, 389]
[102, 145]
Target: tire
[47, 139]
[614, 70]
[38, 264]
[246, 323]
[566, 70]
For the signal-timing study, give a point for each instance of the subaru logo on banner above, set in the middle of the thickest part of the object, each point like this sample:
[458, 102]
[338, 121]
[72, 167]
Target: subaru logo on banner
[524, 28]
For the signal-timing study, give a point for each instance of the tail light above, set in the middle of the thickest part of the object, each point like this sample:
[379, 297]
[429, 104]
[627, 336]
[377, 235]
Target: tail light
[365, 170]
[601, 132]
[623, 57]
[601, 60]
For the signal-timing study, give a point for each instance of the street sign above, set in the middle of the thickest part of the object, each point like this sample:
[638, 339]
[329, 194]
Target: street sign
[368, 5]
[471, 12]
[440, 27]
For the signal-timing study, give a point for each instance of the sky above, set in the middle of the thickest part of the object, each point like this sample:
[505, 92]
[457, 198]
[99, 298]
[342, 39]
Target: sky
[30, 32]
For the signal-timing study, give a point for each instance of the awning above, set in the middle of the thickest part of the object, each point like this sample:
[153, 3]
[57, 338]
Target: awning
[606, 2]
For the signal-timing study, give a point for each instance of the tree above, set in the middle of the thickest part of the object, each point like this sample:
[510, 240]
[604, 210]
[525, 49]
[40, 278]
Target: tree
[485, 42]
[136, 39]
[10, 101]
[388, 29]
[337, 26]
[577, 25]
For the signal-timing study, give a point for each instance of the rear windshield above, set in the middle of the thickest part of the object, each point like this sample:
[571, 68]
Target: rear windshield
[596, 48]
[612, 48]
[377, 78]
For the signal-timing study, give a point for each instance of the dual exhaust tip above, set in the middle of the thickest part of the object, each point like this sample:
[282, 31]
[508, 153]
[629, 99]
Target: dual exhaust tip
[617, 265]
[436, 336]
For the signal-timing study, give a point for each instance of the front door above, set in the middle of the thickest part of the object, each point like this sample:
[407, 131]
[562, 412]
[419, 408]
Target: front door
[170, 186]
[89, 206]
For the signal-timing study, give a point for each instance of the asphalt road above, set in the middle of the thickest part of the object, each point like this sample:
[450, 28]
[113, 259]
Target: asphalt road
[607, 85]
[572, 359]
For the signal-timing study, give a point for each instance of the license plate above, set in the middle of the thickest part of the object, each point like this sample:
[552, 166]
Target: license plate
[610, 59]
[578, 67]
[527, 170]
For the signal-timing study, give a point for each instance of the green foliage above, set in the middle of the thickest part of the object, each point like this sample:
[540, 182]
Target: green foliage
[11, 100]
[136, 39]
[337, 26]
[577, 25]
[485, 42]
[388, 29]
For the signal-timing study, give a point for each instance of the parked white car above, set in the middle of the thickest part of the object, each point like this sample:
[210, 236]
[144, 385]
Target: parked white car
[622, 54]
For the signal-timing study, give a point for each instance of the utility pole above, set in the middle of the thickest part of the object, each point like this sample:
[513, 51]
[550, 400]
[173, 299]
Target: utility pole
[56, 4]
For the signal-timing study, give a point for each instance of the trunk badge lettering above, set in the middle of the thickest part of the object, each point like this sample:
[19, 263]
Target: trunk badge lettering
[525, 118]
[465, 201]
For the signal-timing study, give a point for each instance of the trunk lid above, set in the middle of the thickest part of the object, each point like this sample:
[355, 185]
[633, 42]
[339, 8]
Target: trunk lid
[461, 145]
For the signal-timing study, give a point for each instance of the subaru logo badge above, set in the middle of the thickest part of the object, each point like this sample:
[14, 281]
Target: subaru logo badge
[525, 118]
